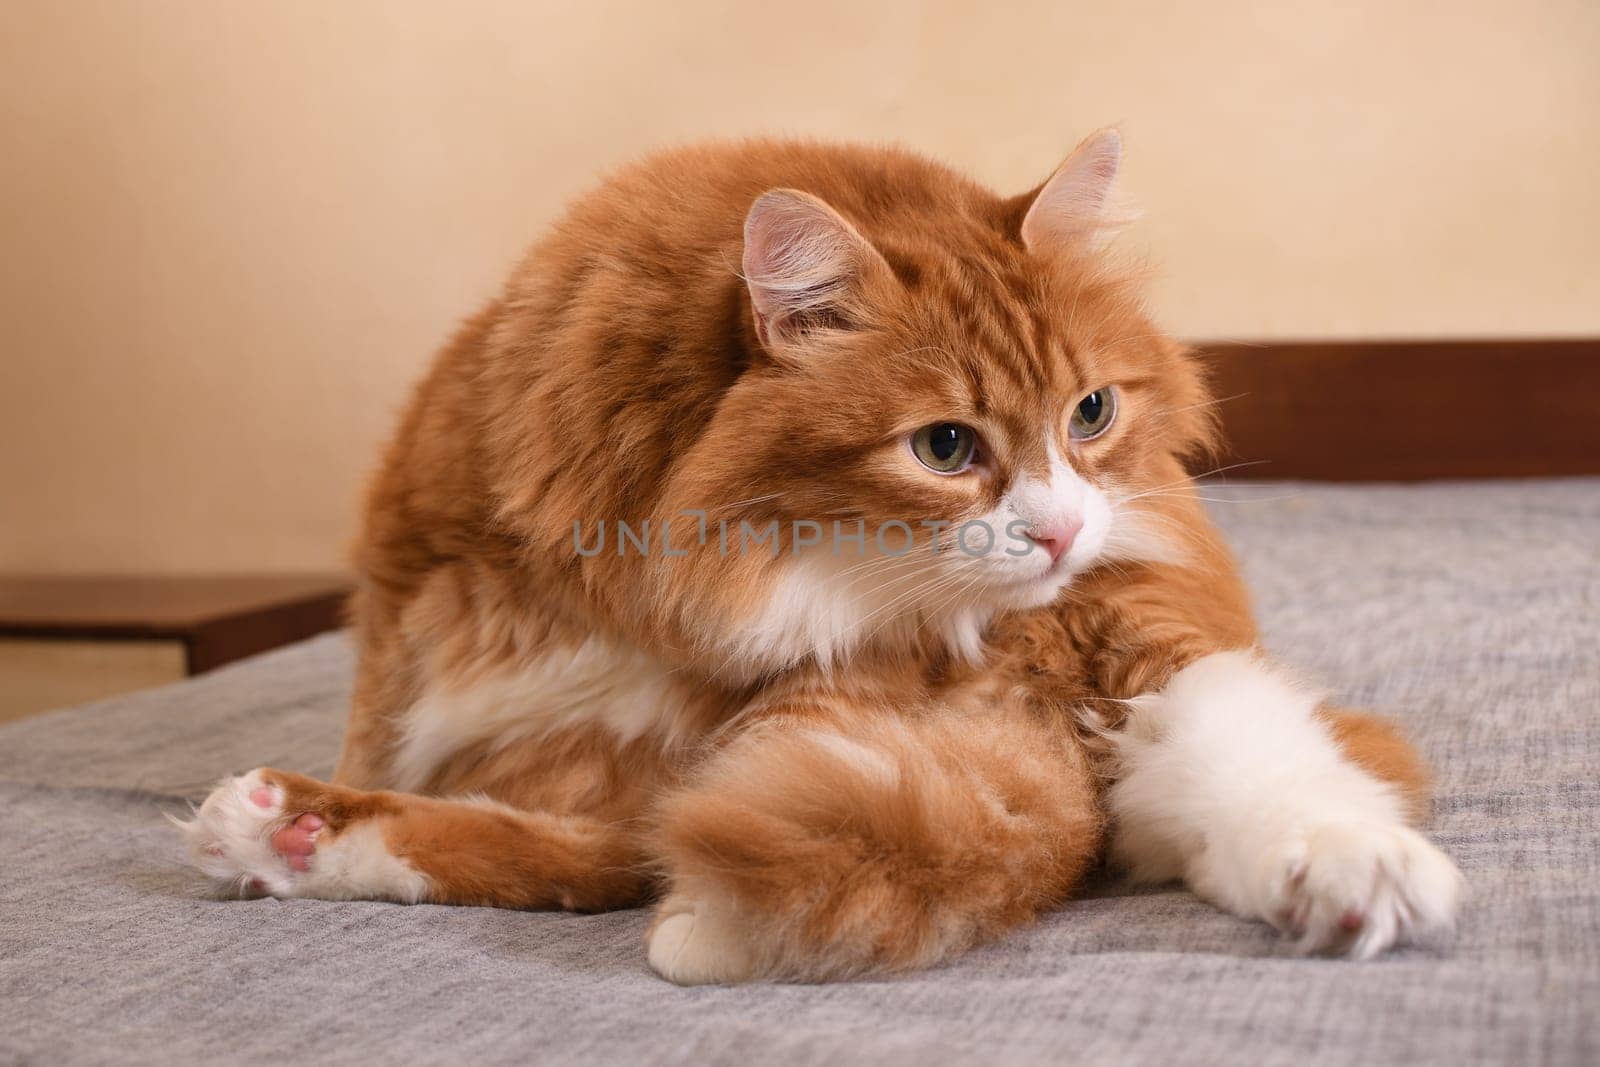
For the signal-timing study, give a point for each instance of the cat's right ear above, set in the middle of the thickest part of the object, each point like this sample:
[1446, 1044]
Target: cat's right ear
[807, 268]
[1072, 210]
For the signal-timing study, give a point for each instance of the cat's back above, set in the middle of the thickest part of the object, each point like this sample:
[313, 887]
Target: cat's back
[684, 201]
[641, 274]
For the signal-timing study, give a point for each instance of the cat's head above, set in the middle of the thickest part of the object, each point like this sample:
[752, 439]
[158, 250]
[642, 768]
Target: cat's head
[975, 388]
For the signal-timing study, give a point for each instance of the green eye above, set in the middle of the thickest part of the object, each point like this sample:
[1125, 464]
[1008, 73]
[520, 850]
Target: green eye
[946, 447]
[1093, 415]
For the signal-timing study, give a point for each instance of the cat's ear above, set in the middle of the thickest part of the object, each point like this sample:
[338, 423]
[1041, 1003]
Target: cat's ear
[807, 268]
[1072, 210]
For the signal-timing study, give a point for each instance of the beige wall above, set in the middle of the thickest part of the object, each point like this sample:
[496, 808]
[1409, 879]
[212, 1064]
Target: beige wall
[233, 231]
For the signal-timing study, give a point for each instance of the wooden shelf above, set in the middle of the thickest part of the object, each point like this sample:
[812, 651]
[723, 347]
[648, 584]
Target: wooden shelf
[217, 619]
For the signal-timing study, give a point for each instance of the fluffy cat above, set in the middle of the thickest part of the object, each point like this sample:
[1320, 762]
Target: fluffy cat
[674, 587]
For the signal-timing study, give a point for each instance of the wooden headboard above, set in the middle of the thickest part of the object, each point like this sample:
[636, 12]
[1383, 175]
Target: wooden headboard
[1406, 410]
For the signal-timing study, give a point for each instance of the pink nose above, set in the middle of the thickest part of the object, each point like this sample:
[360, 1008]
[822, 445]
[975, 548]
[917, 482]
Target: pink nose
[1056, 537]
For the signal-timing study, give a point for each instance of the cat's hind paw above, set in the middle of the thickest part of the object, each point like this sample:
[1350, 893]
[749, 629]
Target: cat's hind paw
[261, 833]
[242, 837]
[691, 945]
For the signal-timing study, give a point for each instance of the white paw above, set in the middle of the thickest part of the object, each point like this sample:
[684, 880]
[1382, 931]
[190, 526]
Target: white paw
[230, 836]
[691, 947]
[1358, 889]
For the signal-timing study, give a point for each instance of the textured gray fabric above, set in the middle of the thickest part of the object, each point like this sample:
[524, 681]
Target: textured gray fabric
[1472, 612]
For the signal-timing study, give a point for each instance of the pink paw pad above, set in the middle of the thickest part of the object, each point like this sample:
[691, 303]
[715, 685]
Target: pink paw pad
[298, 841]
[264, 796]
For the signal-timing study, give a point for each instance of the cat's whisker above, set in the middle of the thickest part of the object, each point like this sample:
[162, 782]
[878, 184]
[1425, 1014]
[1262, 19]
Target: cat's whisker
[742, 503]
[916, 553]
[1184, 534]
[893, 581]
[884, 565]
[1218, 402]
[1230, 467]
[1191, 479]
[927, 588]
[1116, 567]
[954, 597]
[932, 581]
[1232, 342]
[1180, 495]
[894, 576]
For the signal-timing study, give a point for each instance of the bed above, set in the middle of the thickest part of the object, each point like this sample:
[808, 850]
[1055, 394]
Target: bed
[1469, 611]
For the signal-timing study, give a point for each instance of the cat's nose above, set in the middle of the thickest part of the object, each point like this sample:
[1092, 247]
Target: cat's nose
[1056, 537]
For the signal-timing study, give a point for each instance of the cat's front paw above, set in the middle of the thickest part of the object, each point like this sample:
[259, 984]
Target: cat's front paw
[1357, 889]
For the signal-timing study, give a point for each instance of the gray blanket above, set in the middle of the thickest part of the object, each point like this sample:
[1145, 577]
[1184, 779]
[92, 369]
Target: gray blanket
[1471, 612]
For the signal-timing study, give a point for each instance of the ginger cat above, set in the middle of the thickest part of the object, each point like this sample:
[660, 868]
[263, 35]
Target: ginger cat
[802, 542]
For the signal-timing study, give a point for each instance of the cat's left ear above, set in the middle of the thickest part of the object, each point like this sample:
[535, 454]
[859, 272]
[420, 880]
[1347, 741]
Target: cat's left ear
[1071, 211]
[807, 268]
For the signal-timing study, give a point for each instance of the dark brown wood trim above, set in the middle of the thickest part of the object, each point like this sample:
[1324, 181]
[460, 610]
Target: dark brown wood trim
[1408, 410]
[223, 640]
[218, 618]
